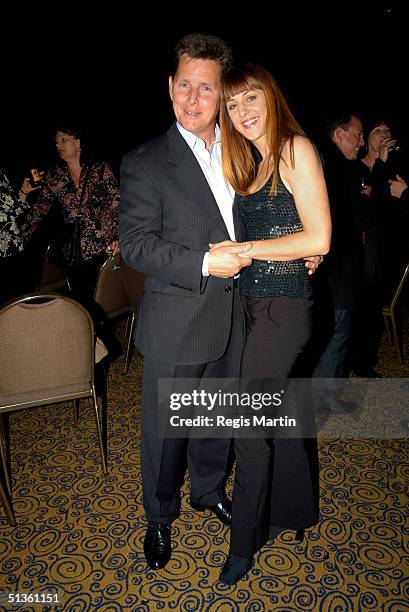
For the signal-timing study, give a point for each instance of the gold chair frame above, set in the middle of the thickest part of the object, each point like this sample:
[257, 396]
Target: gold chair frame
[389, 315]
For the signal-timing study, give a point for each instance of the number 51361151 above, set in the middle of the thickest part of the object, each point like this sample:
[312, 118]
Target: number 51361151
[39, 598]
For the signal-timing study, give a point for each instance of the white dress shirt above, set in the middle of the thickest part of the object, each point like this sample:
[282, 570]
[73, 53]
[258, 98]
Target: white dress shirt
[210, 162]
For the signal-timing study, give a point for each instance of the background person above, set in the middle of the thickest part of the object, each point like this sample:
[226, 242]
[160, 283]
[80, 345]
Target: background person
[13, 208]
[98, 213]
[373, 171]
[335, 282]
[383, 163]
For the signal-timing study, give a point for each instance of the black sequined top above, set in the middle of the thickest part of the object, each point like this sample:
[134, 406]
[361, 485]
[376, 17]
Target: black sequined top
[266, 216]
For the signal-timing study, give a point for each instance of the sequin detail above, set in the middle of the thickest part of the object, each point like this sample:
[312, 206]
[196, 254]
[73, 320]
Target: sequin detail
[264, 217]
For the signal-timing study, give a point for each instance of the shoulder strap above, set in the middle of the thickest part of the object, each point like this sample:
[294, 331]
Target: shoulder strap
[84, 185]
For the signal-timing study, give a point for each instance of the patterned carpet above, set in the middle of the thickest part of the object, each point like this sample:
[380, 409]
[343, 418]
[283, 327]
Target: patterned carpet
[79, 535]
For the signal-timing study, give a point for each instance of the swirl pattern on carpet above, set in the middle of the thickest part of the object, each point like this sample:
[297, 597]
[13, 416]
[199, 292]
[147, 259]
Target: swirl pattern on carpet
[81, 534]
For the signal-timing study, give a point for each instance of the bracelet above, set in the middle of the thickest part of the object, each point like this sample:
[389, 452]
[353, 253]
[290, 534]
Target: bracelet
[23, 192]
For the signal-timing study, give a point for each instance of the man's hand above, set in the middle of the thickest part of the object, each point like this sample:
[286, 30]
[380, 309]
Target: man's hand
[397, 186]
[312, 262]
[227, 258]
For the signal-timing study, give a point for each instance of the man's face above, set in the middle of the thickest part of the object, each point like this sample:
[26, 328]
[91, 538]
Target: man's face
[195, 93]
[350, 140]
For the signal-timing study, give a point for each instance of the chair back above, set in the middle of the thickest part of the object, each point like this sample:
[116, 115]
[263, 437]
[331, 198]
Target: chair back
[46, 347]
[52, 277]
[110, 292]
[134, 282]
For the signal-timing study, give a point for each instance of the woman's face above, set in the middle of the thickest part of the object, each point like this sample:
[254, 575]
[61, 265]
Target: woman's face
[248, 113]
[67, 145]
[377, 136]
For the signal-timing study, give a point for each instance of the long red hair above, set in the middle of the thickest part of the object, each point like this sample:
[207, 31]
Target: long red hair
[239, 164]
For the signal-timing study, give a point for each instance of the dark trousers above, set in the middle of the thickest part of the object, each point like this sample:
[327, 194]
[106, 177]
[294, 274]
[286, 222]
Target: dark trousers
[164, 460]
[367, 323]
[82, 279]
[332, 361]
[275, 483]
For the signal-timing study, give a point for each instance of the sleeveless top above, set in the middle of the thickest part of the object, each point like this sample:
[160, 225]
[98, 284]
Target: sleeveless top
[266, 216]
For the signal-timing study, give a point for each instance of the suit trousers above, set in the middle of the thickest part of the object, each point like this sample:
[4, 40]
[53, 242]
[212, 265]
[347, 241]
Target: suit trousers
[276, 482]
[164, 460]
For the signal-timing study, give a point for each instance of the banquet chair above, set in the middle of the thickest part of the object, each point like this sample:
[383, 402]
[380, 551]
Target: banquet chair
[134, 282]
[53, 278]
[110, 292]
[47, 354]
[389, 315]
[5, 493]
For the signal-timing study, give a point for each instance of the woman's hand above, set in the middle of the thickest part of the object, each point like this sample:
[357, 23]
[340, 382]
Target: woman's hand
[227, 258]
[313, 262]
[26, 188]
[385, 148]
[113, 248]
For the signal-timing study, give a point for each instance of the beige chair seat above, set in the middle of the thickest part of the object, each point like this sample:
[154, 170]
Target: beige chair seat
[36, 398]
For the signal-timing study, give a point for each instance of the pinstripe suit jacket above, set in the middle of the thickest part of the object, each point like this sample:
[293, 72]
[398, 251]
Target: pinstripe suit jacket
[168, 216]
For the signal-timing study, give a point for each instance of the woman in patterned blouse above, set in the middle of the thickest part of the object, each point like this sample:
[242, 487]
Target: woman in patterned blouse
[98, 212]
[12, 210]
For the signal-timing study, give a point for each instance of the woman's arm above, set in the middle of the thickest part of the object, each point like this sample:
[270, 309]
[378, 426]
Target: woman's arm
[39, 210]
[307, 184]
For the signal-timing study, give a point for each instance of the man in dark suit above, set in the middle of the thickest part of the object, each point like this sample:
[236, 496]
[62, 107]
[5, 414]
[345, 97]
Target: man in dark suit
[174, 202]
[336, 282]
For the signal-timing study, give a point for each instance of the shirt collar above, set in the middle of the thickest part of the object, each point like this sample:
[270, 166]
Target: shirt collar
[193, 140]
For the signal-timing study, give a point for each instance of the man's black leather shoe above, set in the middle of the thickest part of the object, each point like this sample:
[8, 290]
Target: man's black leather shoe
[234, 569]
[157, 546]
[222, 510]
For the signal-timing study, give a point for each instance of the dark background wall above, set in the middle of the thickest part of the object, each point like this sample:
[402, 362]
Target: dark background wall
[108, 70]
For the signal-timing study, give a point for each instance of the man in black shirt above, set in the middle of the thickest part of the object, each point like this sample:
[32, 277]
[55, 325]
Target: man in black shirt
[335, 279]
